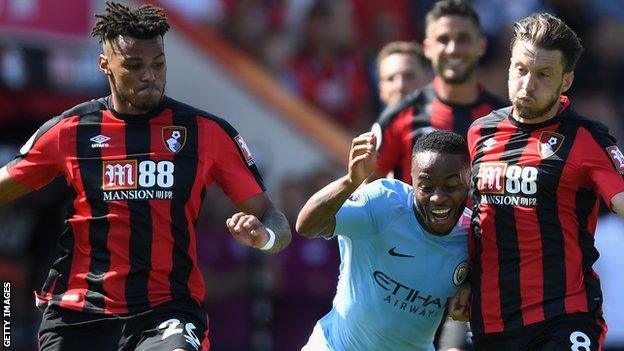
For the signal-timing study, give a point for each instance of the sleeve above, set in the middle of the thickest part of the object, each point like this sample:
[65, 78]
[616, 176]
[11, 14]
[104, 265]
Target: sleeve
[603, 162]
[39, 161]
[355, 217]
[389, 146]
[235, 170]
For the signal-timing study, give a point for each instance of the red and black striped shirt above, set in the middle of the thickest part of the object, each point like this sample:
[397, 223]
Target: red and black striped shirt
[536, 190]
[404, 122]
[137, 183]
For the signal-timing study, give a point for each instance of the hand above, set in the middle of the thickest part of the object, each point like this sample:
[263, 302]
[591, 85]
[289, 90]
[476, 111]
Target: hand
[459, 306]
[362, 157]
[247, 230]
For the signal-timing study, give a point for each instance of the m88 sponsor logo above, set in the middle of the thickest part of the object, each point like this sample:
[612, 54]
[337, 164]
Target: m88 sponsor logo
[504, 184]
[137, 180]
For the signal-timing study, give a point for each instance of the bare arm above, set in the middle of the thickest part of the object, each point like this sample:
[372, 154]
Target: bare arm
[10, 190]
[617, 204]
[318, 214]
[249, 227]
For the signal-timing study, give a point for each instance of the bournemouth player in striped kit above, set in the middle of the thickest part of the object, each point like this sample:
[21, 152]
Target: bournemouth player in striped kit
[538, 171]
[137, 162]
[453, 100]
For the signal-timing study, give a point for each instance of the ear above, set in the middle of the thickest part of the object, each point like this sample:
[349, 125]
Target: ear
[427, 45]
[568, 78]
[103, 64]
[482, 45]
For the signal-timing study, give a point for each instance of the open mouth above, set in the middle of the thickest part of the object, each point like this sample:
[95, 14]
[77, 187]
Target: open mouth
[441, 214]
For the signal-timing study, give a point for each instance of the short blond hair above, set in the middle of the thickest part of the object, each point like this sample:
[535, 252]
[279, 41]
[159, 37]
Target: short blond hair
[410, 48]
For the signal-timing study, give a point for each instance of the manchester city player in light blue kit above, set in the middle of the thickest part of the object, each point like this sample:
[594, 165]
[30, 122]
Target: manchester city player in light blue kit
[403, 249]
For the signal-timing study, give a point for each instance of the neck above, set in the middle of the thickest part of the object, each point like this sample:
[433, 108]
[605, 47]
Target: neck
[125, 106]
[545, 117]
[462, 94]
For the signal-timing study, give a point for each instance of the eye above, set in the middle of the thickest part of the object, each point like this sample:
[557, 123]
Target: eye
[452, 186]
[132, 66]
[426, 188]
[158, 64]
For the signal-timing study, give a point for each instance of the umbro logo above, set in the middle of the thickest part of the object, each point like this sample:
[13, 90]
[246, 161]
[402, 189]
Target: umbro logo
[392, 252]
[489, 143]
[99, 141]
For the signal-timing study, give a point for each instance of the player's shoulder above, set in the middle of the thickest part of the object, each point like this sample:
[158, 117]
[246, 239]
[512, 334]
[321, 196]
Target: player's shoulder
[592, 125]
[385, 189]
[85, 108]
[81, 110]
[417, 100]
[589, 129]
[184, 109]
[492, 119]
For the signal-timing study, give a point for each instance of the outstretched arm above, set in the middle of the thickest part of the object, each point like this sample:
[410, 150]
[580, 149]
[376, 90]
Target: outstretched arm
[251, 226]
[318, 214]
[9, 189]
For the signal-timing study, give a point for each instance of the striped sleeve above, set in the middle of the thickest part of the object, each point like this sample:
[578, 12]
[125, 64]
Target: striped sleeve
[235, 170]
[39, 161]
[603, 161]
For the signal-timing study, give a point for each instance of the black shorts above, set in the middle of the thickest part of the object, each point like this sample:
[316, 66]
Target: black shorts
[164, 328]
[570, 332]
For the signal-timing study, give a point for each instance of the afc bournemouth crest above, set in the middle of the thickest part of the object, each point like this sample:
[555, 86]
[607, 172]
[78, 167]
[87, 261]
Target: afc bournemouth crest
[549, 143]
[174, 138]
[617, 157]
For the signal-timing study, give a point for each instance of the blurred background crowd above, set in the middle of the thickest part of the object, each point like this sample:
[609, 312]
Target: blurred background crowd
[322, 50]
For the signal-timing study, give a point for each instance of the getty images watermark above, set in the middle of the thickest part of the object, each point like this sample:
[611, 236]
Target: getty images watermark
[6, 314]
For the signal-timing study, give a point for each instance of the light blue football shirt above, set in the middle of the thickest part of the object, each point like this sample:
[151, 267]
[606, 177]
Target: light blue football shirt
[395, 277]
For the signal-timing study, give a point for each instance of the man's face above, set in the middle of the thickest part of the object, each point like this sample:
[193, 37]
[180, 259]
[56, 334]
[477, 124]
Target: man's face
[137, 70]
[399, 75]
[440, 184]
[536, 80]
[454, 46]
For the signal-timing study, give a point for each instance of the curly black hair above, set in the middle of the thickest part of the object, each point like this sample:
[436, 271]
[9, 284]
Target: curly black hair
[443, 142]
[144, 22]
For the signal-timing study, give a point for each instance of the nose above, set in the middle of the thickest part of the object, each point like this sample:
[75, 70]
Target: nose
[451, 47]
[528, 82]
[438, 197]
[148, 75]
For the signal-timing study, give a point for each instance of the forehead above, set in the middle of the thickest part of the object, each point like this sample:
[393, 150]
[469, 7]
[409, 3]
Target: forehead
[398, 60]
[438, 164]
[134, 47]
[453, 24]
[530, 55]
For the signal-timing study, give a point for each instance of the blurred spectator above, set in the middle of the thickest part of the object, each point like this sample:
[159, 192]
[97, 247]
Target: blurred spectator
[327, 73]
[402, 68]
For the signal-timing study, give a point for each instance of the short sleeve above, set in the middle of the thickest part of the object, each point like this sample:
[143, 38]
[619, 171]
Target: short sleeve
[354, 219]
[603, 162]
[39, 161]
[234, 170]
